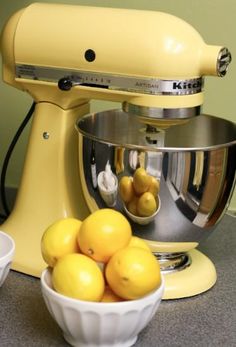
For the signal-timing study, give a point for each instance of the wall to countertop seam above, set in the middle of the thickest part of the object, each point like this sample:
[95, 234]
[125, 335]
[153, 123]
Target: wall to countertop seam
[214, 20]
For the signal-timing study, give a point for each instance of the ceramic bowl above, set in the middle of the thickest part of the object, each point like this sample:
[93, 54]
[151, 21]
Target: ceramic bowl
[143, 220]
[85, 323]
[7, 250]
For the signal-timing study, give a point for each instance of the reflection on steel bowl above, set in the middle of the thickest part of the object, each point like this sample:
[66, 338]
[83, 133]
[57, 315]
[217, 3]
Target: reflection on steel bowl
[143, 220]
[194, 161]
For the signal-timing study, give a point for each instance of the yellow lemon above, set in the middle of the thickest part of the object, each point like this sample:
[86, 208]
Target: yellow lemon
[154, 186]
[146, 205]
[133, 272]
[126, 189]
[138, 242]
[132, 205]
[110, 296]
[103, 233]
[59, 239]
[78, 276]
[141, 181]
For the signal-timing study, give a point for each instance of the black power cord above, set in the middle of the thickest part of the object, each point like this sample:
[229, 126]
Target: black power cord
[7, 159]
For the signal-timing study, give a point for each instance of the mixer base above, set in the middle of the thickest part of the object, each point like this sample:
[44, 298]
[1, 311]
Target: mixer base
[197, 278]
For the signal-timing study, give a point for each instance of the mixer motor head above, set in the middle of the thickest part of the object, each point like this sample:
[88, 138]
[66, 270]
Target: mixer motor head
[152, 62]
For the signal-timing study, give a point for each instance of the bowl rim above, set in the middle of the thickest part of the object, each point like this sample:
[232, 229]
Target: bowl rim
[12, 245]
[149, 297]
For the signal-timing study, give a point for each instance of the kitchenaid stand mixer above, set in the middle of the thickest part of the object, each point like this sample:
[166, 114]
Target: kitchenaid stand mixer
[64, 56]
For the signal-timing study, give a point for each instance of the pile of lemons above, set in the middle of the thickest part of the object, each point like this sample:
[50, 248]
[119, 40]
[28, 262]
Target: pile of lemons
[140, 193]
[98, 259]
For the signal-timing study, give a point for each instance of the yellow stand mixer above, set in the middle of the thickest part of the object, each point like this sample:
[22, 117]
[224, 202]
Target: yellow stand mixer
[64, 56]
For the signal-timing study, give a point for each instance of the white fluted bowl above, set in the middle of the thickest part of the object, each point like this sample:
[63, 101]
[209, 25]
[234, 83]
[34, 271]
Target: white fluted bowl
[7, 250]
[92, 324]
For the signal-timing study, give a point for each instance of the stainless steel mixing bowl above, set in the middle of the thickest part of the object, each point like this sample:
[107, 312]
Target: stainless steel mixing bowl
[194, 160]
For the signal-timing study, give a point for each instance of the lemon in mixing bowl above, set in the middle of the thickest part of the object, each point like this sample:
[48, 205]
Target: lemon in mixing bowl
[102, 233]
[59, 239]
[154, 186]
[141, 181]
[146, 205]
[126, 189]
[132, 205]
[133, 272]
[78, 276]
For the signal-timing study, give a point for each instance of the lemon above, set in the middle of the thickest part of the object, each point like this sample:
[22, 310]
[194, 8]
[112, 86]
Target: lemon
[59, 239]
[78, 276]
[102, 233]
[154, 186]
[146, 205]
[141, 181]
[138, 242]
[133, 272]
[126, 189]
[132, 205]
[110, 296]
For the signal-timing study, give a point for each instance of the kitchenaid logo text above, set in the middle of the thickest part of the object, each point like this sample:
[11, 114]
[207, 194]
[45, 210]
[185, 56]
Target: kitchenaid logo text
[183, 85]
[164, 86]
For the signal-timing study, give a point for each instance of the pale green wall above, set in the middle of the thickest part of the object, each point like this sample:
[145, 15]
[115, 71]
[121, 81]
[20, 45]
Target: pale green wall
[215, 21]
